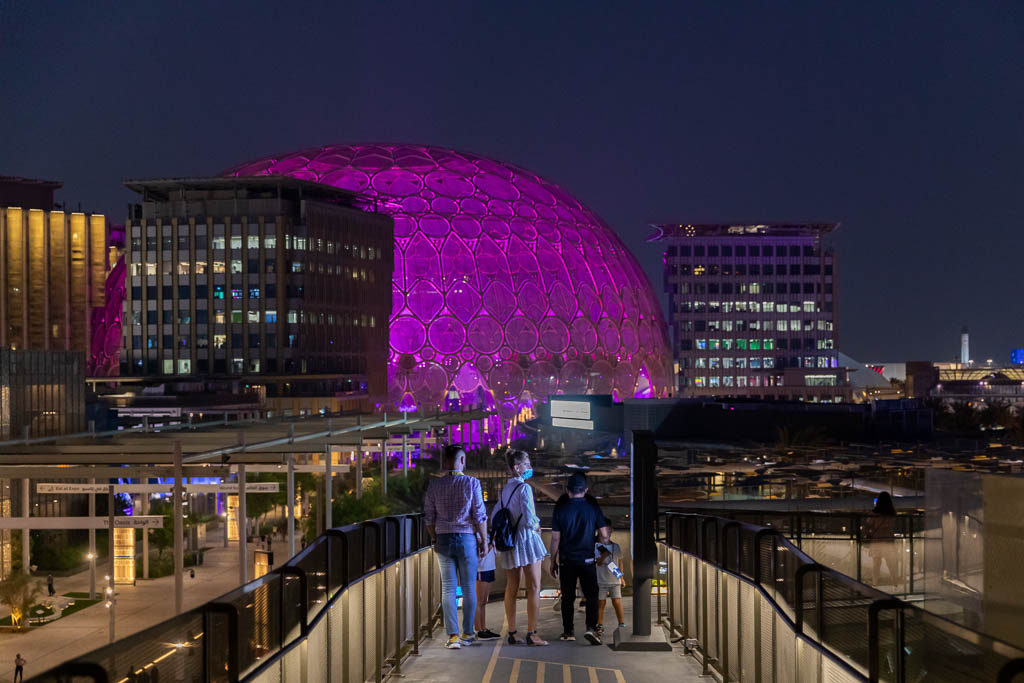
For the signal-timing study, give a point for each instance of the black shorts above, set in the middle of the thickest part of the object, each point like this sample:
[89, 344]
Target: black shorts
[485, 577]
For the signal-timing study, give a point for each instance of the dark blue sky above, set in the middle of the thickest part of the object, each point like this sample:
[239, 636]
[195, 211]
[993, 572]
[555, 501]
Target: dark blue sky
[901, 119]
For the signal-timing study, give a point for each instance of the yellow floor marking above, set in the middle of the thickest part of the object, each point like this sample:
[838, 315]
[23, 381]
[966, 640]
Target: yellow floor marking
[544, 661]
[540, 672]
[619, 678]
[514, 676]
[494, 655]
[566, 674]
[593, 674]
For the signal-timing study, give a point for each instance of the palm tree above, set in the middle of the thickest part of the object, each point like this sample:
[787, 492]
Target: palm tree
[19, 592]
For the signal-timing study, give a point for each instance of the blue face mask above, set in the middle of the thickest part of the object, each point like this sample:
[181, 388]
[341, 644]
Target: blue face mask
[527, 474]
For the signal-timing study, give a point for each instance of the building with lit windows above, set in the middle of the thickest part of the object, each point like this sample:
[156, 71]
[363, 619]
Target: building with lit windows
[53, 270]
[752, 310]
[272, 285]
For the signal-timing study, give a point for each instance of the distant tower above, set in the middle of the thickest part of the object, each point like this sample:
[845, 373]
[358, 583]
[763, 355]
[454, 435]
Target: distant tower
[965, 353]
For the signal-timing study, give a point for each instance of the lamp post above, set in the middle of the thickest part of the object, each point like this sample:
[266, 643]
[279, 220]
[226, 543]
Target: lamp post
[91, 556]
[111, 603]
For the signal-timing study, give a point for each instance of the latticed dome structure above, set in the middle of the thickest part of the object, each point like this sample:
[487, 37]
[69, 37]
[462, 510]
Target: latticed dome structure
[506, 288]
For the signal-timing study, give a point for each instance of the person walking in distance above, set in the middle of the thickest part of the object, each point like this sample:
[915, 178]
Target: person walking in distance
[19, 668]
[457, 525]
[521, 550]
[573, 526]
[49, 584]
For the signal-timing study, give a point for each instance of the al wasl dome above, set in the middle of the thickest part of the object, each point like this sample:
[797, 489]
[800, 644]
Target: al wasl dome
[507, 289]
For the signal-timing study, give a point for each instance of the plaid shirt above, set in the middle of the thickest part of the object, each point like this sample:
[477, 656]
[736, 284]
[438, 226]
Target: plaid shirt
[454, 503]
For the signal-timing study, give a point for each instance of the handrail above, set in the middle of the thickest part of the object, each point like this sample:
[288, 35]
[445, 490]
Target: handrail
[848, 601]
[251, 628]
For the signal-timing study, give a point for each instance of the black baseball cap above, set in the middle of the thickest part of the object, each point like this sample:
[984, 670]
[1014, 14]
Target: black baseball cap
[577, 483]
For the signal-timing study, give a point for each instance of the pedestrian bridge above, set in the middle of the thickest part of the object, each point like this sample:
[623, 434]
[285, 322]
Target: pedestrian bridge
[739, 602]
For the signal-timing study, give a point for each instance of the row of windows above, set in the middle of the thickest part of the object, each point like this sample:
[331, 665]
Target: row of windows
[741, 269]
[202, 317]
[745, 306]
[753, 344]
[756, 381]
[749, 288]
[252, 241]
[756, 362]
[238, 366]
[753, 325]
[742, 250]
[235, 267]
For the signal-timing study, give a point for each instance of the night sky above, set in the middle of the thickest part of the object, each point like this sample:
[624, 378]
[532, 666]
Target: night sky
[902, 120]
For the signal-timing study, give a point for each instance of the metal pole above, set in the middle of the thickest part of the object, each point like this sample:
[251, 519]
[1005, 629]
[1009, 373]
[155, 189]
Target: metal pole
[405, 455]
[26, 541]
[359, 470]
[290, 503]
[110, 555]
[384, 466]
[145, 538]
[328, 488]
[644, 506]
[179, 551]
[92, 544]
[243, 573]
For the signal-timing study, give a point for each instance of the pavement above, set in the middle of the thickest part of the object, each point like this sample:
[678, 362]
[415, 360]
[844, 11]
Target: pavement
[559, 662]
[138, 607]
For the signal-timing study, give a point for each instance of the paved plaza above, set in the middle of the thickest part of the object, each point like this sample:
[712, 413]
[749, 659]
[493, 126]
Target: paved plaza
[138, 607]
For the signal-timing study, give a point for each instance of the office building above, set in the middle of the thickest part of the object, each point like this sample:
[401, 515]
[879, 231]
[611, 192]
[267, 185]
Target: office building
[274, 285]
[42, 393]
[53, 269]
[752, 310]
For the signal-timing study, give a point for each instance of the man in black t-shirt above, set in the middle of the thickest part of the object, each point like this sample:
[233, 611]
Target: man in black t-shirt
[573, 527]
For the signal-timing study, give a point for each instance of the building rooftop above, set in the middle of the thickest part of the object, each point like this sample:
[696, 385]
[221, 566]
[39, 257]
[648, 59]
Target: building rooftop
[664, 232]
[257, 187]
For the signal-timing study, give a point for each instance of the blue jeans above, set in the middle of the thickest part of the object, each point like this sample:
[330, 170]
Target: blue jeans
[457, 560]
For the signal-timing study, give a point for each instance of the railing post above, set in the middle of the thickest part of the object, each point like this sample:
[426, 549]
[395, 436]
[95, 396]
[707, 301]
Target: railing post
[874, 650]
[801, 574]
[291, 570]
[231, 614]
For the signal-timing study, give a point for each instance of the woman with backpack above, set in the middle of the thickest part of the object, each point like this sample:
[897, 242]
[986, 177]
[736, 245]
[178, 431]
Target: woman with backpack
[520, 550]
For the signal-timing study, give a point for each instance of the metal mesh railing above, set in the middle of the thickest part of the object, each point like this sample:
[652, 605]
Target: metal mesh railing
[379, 576]
[758, 608]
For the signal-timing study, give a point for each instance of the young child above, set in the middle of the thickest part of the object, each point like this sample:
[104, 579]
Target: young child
[484, 579]
[610, 580]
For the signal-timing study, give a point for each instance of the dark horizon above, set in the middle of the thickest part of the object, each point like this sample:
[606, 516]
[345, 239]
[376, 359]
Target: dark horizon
[898, 122]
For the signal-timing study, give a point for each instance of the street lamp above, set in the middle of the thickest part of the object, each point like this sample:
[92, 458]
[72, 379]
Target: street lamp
[111, 602]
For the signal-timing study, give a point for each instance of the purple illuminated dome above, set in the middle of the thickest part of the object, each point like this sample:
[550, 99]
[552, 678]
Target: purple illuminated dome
[506, 288]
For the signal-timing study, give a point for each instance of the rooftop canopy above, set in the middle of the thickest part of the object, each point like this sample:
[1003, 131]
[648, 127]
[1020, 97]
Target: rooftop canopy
[665, 232]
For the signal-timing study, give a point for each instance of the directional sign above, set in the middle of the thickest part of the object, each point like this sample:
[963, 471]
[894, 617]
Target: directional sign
[250, 487]
[133, 522]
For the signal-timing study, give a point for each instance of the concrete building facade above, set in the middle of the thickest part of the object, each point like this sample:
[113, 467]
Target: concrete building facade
[753, 310]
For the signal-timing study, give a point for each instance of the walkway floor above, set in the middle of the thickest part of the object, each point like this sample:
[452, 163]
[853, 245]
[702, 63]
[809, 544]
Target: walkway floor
[138, 607]
[560, 662]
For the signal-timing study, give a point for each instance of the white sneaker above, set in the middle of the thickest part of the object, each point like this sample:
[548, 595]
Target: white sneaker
[454, 643]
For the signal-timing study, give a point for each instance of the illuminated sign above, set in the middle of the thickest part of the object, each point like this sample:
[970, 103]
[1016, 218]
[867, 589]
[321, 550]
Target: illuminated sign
[250, 487]
[571, 410]
[233, 518]
[124, 555]
[571, 414]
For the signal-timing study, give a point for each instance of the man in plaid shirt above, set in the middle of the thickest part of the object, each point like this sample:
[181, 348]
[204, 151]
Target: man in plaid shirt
[457, 524]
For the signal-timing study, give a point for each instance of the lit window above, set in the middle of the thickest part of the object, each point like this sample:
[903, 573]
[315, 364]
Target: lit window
[219, 317]
[808, 307]
[270, 242]
[741, 344]
[714, 381]
[716, 344]
[218, 292]
[700, 362]
[767, 307]
[727, 362]
[183, 268]
[714, 363]
[254, 292]
[727, 381]
[254, 241]
[768, 362]
[296, 266]
[236, 316]
[236, 293]
[150, 269]
[200, 267]
[702, 344]
[236, 265]
[755, 363]
[741, 381]
[754, 344]
[700, 381]
[136, 269]
[782, 325]
[741, 362]
[253, 316]
[218, 266]
[728, 344]
[236, 241]
[768, 344]
[217, 242]
[271, 316]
